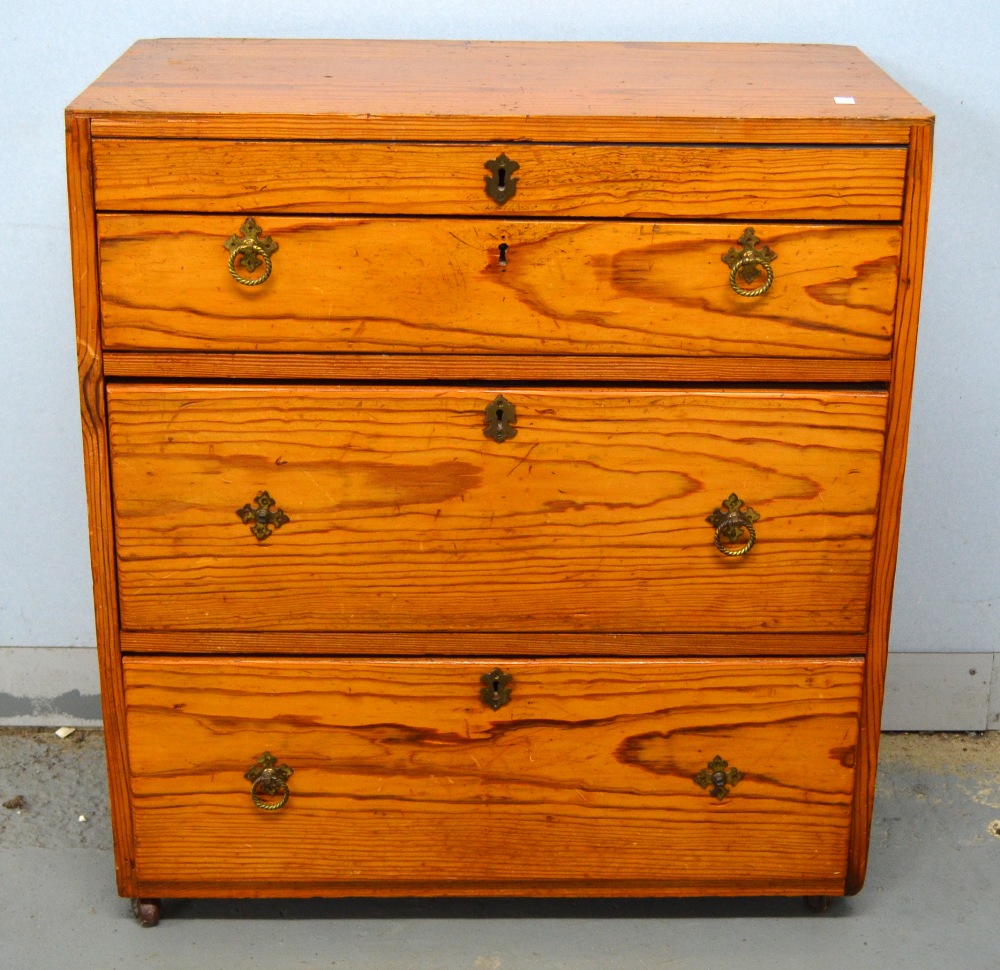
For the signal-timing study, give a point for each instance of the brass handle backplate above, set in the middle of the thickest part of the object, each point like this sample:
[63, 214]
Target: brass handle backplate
[252, 250]
[746, 262]
[719, 776]
[500, 183]
[731, 521]
[269, 780]
[496, 688]
[263, 519]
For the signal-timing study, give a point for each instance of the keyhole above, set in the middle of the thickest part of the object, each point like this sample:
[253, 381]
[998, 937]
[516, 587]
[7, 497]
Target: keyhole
[499, 415]
[503, 253]
[496, 685]
[501, 178]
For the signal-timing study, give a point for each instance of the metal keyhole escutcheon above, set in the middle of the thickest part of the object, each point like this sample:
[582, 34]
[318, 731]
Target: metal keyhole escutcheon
[500, 418]
[496, 688]
[500, 183]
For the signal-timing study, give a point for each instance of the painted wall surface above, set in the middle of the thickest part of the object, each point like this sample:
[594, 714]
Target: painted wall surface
[947, 585]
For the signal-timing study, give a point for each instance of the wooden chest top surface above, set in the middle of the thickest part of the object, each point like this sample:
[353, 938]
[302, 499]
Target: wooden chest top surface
[455, 89]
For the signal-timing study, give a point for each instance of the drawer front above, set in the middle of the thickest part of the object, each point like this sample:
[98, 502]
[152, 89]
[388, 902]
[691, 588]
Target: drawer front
[404, 515]
[652, 181]
[405, 781]
[497, 287]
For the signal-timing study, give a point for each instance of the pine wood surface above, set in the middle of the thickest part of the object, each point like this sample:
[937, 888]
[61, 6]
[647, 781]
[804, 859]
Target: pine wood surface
[93, 422]
[495, 368]
[414, 285]
[394, 178]
[474, 643]
[403, 777]
[891, 494]
[406, 517]
[477, 91]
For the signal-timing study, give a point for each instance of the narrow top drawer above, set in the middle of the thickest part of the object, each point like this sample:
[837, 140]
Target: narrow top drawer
[612, 181]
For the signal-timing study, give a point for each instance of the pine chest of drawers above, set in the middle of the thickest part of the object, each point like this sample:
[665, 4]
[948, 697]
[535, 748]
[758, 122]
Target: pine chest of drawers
[494, 456]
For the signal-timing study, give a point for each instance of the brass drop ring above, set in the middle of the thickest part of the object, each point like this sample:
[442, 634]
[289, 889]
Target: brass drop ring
[253, 251]
[267, 786]
[735, 522]
[745, 264]
[253, 247]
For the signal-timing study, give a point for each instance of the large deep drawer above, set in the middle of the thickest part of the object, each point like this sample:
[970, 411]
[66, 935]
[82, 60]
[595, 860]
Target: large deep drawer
[595, 778]
[403, 514]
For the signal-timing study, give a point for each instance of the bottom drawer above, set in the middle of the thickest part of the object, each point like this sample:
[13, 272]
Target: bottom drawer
[591, 780]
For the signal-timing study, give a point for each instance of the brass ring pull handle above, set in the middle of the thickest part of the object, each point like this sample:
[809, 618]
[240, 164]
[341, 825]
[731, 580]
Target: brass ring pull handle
[731, 522]
[253, 249]
[720, 776]
[251, 262]
[746, 263]
[269, 780]
[749, 265]
[262, 786]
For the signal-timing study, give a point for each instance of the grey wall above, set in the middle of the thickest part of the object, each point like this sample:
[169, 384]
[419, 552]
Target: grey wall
[947, 588]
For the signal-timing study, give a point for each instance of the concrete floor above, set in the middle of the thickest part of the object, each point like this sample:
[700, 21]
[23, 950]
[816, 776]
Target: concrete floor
[932, 899]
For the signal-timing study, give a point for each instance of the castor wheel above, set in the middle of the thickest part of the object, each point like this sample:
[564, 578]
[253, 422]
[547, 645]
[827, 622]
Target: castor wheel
[818, 904]
[147, 911]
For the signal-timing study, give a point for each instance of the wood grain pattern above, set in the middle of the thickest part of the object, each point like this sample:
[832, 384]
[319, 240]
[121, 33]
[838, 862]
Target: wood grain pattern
[96, 464]
[405, 517]
[395, 178]
[495, 368]
[891, 495]
[482, 91]
[413, 286]
[403, 778]
[473, 643]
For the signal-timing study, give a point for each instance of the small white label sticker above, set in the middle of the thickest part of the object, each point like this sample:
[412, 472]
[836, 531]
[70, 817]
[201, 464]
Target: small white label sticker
[843, 100]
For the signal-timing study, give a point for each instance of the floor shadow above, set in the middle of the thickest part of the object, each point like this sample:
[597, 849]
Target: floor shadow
[506, 908]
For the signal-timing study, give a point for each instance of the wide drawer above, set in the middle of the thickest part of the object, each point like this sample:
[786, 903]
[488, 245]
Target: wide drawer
[497, 287]
[397, 177]
[403, 515]
[404, 781]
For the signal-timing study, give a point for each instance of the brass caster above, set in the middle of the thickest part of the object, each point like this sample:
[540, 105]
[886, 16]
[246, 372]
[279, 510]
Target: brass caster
[147, 911]
[818, 904]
